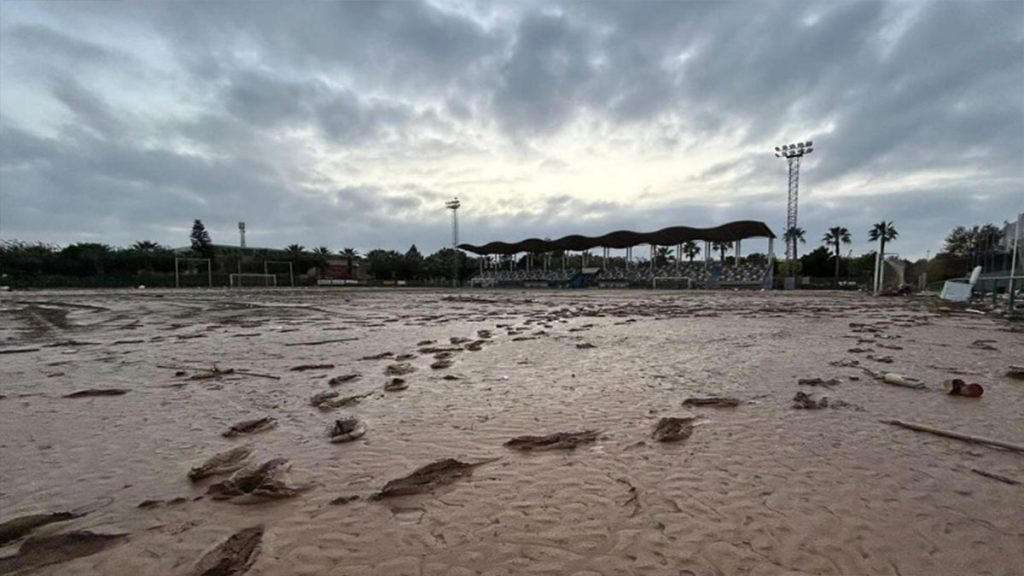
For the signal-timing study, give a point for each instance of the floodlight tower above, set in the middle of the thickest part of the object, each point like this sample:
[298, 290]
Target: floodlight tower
[792, 153]
[241, 234]
[454, 205]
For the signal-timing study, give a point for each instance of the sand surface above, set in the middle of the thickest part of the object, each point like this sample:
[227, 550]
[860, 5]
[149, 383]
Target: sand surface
[761, 488]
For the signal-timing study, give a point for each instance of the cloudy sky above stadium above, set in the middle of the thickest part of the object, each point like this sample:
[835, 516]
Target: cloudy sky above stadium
[350, 124]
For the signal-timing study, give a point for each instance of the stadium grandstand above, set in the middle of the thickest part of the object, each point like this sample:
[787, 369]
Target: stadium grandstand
[529, 263]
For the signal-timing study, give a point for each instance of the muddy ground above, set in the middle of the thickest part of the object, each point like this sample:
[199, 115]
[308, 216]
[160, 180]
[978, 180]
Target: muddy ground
[760, 488]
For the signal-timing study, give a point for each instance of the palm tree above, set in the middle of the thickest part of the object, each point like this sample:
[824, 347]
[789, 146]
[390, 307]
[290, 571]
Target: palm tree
[883, 232]
[691, 250]
[146, 246]
[295, 249]
[321, 254]
[835, 236]
[350, 254]
[663, 255]
[794, 235]
[721, 247]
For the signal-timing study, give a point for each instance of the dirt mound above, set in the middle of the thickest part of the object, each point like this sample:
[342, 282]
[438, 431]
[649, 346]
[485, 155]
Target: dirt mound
[346, 430]
[251, 426]
[426, 478]
[673, 429]
[400, 369]
[804, 401]
[222, 463]
[15, 528]
[232, 557]
[40, 551]
[556, 441]
[264, 482]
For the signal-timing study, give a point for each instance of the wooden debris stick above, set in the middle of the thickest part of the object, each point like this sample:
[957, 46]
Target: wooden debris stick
[220, 370]
[956, 435]
[995, 476]
[319, 342]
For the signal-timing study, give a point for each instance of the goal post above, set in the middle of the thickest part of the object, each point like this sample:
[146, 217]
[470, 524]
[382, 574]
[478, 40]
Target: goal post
[243, 280]
[192, 268]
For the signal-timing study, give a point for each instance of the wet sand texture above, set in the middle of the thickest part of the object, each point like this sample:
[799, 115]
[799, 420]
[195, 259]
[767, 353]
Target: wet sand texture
[757, 489]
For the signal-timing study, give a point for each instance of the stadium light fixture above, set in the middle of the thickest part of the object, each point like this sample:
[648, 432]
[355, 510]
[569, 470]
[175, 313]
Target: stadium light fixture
[793, 153]
[454, 206]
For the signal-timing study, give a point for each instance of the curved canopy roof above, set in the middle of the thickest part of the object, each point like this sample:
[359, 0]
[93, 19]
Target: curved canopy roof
[729, 232]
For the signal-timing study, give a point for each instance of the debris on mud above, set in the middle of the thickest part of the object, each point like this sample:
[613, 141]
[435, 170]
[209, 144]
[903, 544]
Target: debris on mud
[476, 345]
[556, 441]
[234, 556]
[804, 401]
[346, 430]
[712, 401]
[15, 528]
[896, 379]
[846, 363]
[404, 357]
[425, 342]
[305, 367]
[98, 392]
[673, 429]
[321, 398]
[150, 504]
[585, 345]
[400, 369]
[255, 484]
[330, 400]
[442, 364]
[483, 333]
[340, 500]
[380, 356]
[450, 377]
[984, 345]
[395, 385]
[251, 426]
[818, 382]
[222, 463]
[426, 478]
[39, 551]
[1015, 372]
[439, 350]
[881, 359]
[458, 340]
[338, 380]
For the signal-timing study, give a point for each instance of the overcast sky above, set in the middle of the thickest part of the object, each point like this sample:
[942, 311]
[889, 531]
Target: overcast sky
[350, 124]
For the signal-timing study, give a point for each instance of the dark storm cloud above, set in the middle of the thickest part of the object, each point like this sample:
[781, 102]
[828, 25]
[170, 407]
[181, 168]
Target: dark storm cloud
[347, 123]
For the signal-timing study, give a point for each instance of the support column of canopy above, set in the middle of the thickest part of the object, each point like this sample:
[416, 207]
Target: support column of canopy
[737, 257]
[679, 256]
[771, 263]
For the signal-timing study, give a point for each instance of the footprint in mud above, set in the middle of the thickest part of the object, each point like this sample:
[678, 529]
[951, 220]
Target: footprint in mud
[396, 385]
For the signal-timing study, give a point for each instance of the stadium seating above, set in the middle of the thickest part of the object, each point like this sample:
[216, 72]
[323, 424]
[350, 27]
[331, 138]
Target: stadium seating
[699, 274]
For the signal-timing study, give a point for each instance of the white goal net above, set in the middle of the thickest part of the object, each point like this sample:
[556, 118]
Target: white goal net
[249, 280]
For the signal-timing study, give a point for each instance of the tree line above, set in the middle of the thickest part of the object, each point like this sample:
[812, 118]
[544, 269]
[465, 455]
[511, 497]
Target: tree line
[147, 262]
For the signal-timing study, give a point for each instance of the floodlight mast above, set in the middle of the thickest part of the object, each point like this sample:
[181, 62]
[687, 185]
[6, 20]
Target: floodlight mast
[792, 153]
[454, 205]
